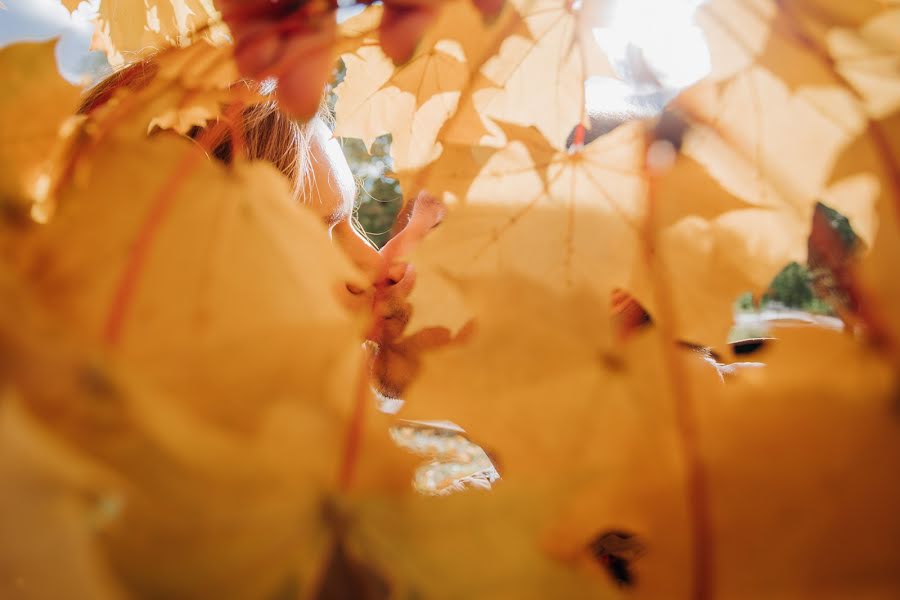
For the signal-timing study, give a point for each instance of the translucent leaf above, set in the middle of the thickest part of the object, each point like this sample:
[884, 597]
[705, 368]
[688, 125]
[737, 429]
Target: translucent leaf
[129, 28]
[35, 103]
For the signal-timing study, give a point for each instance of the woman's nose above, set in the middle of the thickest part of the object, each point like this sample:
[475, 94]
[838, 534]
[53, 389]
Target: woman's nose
[388, 269]
[385, 271]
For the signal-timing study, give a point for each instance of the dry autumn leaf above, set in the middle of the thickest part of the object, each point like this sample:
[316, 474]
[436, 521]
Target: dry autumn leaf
[261, 275]
[610, 447]
[34, 106]
[130, 28]
[739, 123]
[414, 100]
[560, 219]
[52, 502]
[271, 494]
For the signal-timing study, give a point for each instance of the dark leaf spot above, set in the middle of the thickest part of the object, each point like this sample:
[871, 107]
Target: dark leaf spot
[750, 346]
[615, 551]
[346, 578]
[97, 383]
[612, 362]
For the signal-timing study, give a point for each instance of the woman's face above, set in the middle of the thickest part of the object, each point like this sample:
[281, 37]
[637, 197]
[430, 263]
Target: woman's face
[332, 190]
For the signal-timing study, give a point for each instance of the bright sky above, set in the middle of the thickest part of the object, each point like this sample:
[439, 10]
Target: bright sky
[44, 19]
[672, 46]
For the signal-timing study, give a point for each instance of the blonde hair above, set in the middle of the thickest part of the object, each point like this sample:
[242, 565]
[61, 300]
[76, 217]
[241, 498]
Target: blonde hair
[269, 134]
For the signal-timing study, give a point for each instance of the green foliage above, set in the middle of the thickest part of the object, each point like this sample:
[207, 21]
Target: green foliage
[744, 303]
[378, 196]
[791, 287]
[794, 287]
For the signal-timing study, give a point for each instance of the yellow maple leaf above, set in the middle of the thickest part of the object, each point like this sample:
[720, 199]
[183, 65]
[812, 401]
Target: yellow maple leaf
[740, 124]
[479, 545]
[505, 373]
[414, 101]
[558, 218]
[34, 105]
[539, 77]
[131, 28]
[178, 88]
[124, 237]
[605, 430]
[737, 31]
[794, 93]
[192, 502]
[856, 40]
[51, 502]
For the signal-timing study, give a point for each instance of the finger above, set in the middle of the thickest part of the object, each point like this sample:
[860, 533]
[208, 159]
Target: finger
[428, 209]
[402, 27]
[426, 213]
